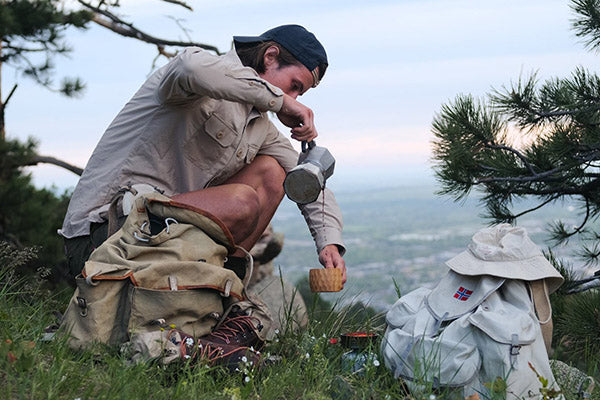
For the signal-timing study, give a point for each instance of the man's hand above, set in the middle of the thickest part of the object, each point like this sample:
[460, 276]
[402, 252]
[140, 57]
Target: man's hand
[330, 257]
[300, 118]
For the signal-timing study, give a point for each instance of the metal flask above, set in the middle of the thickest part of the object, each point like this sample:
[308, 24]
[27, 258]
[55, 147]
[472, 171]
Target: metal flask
[306, 180]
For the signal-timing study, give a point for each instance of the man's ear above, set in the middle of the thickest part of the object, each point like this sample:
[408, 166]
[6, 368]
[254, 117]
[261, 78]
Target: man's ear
[271, 57]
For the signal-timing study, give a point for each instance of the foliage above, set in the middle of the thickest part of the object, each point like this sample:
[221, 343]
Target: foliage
[29, 216]
[477, 144]
[32, 34]
[577, 328]
[308, 364]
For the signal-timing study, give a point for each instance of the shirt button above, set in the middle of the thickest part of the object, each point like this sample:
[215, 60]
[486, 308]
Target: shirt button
[240, 153]
[220, 135]
[271, 103]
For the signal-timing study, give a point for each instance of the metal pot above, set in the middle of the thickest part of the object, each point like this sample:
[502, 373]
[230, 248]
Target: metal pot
[305, 181]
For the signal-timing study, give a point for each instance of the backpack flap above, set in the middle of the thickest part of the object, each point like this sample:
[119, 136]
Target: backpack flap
[456, 295]
[506, 313]
[186, 275]
[94, 271]
[184, 213]
[404, 309]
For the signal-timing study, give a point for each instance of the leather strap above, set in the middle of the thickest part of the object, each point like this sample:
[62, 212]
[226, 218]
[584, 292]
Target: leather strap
[543, 309]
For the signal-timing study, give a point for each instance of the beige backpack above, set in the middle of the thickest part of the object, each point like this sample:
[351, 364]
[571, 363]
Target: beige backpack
[137, 282]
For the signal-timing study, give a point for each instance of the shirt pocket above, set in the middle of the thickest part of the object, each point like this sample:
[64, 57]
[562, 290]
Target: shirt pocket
[211, 143]
[216, 128]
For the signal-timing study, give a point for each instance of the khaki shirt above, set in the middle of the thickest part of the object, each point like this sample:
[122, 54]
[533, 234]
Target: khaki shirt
[193, 124]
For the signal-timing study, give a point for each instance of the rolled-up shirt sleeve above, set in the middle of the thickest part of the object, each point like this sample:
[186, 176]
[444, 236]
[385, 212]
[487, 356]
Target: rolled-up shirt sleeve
[195, 73]
[323, 216]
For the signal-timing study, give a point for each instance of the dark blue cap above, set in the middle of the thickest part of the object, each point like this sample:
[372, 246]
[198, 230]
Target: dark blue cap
[302, 44]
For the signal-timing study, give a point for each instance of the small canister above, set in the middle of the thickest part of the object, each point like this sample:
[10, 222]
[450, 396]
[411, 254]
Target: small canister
[360, 345]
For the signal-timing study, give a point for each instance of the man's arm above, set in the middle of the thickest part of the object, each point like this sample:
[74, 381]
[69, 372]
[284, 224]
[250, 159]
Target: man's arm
[196, 73]
[324, 218]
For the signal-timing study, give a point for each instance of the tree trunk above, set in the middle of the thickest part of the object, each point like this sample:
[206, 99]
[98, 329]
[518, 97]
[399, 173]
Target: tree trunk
[2, 131]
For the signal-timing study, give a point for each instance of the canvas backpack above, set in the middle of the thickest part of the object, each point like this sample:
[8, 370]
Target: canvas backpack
[139, 282]
[489, 337]
[479, 330]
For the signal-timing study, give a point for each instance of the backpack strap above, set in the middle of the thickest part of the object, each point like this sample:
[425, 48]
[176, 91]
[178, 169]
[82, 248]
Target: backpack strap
[113, 214]
[543, 309]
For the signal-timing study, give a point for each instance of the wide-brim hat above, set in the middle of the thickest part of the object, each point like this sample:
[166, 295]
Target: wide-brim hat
[506, 251]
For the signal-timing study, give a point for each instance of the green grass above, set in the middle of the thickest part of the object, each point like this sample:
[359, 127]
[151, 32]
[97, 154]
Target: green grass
[308, 365]
[308, 368]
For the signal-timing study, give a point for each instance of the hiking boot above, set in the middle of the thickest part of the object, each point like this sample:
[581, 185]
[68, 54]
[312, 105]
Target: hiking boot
[231, 356]
[239, 330]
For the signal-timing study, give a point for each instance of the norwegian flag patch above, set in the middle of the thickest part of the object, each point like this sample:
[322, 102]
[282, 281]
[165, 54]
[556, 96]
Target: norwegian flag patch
[463, 294]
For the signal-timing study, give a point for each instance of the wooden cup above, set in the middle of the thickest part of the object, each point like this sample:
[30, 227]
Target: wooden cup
[325, 279]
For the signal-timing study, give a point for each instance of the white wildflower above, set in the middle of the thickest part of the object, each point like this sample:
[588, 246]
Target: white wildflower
[189, 341]
[244, 359]
[277, 331]
[252, 348]
[307, 355]
[247, 379]
[186, 356]
[376, 363]
[432, 397]
[312, 338]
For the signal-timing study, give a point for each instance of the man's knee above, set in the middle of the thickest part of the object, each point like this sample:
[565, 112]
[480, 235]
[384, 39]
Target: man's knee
[244, 200]
[272, 174]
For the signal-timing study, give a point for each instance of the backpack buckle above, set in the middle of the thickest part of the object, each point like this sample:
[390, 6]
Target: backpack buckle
[514, 349]
[83, 305]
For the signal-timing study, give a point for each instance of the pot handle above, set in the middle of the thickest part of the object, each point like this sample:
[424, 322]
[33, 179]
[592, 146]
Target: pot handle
[306, 146]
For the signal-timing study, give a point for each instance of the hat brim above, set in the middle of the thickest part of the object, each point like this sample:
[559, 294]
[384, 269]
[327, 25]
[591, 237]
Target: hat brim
[530, 269]
[249, 39]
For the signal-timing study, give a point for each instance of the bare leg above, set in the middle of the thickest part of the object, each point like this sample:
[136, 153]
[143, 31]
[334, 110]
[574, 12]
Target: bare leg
[246, 202]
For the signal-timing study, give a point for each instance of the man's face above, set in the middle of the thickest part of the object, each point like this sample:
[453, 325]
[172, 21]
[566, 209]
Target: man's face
[294, 80]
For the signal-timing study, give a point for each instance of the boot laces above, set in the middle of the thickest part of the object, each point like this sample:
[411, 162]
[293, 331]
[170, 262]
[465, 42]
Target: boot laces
[235, 326]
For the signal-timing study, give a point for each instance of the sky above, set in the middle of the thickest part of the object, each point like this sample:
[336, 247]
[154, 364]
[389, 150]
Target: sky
[393, 64]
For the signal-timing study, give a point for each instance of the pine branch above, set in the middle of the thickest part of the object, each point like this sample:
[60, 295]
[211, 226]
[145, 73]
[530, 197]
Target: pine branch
[587, 25]
[550, 200]
[179, 3]
[563, 113]
[126, 29]
[514, 151]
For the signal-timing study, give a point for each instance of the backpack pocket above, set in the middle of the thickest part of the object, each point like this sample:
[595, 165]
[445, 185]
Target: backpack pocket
[96, 313]
[441, 360]
[194, 311]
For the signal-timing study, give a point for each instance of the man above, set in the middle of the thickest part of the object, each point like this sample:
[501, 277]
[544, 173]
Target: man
[198, 131]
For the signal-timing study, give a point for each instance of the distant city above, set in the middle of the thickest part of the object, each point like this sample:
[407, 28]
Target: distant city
[402, 234]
